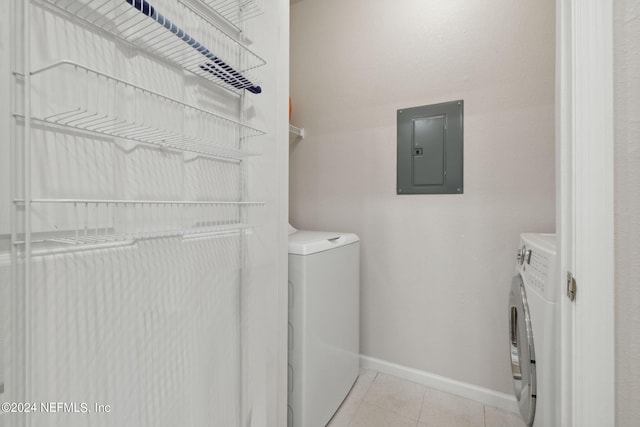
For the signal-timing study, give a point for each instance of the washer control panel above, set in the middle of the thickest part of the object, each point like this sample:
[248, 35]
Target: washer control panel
[523, 255]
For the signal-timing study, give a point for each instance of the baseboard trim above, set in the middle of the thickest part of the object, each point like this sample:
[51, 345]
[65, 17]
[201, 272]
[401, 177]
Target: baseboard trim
[484, 395]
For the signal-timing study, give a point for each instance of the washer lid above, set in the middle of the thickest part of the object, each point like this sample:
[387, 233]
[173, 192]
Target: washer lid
[310, 242]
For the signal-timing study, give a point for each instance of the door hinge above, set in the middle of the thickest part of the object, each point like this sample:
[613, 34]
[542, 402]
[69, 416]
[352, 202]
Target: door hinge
[572, 287]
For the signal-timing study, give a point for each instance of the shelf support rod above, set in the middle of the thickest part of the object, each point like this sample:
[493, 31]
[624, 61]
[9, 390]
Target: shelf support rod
[14, 376]
[27, 202]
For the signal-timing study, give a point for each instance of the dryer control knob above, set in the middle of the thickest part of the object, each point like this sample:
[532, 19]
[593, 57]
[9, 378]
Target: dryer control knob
[521, 254]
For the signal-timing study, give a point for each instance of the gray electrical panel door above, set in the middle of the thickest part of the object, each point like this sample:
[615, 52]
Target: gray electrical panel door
[430, 149]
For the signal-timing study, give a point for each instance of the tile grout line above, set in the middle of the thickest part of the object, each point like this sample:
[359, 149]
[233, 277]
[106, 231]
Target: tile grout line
[399, 414]
[424, 393]
[364, 395]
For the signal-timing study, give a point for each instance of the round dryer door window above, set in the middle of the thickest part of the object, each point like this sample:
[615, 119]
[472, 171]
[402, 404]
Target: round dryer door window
[523, 365]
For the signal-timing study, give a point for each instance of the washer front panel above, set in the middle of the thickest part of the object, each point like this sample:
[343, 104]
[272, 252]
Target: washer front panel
[523, 364]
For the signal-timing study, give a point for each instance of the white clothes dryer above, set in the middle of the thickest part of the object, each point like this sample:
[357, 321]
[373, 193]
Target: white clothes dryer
[532, 329]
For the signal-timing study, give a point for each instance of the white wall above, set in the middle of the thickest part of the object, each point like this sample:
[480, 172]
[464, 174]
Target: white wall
[267, 255]
[435, 268]
[627, 209]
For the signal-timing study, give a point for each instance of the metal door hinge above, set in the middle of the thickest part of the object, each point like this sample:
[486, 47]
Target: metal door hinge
[572, 287]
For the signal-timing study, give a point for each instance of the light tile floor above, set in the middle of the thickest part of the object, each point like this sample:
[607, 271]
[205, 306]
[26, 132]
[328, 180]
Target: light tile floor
[381, 400]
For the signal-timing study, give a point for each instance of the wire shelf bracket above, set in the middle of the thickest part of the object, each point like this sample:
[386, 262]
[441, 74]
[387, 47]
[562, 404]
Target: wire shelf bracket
[236, 11]
[296, 131]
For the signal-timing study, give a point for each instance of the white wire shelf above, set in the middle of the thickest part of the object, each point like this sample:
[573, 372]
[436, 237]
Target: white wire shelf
[296, 131]
[107, 105]
[91, 221]
[236, 11]
[174, 32]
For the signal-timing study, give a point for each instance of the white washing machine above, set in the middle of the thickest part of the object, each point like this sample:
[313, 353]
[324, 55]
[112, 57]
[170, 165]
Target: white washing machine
[532, 329]
[324, 324]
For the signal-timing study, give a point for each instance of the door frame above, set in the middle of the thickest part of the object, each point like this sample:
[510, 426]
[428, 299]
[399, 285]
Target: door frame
[585, 219]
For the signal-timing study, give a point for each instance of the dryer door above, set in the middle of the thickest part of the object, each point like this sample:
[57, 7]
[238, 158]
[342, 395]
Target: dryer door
[523, 365]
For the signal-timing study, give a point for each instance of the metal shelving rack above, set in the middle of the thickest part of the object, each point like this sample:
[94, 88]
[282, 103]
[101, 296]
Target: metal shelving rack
[106, 105]
[96, 106]
[196, 46]
[93, 221]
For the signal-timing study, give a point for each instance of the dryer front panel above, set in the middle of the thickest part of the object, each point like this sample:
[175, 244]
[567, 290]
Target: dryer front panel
[522, 353]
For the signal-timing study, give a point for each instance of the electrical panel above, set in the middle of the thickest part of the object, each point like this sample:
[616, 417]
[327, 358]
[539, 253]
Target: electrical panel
[430, 149]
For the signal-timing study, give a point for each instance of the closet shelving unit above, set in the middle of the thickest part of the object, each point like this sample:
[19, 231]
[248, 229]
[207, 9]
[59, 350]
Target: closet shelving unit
[181, 34]
[107, 105]
[98, 103]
